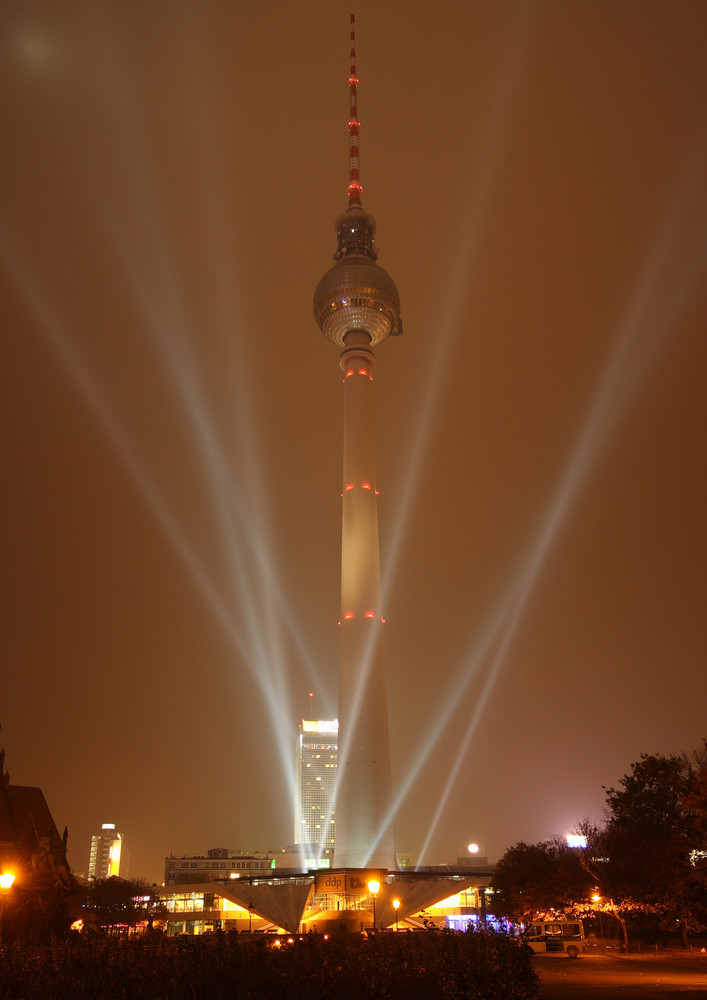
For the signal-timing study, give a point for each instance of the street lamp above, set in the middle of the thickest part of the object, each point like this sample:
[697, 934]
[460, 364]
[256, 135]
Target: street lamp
[250, 917]
[396, 907]
[6, 880]
[373, 888]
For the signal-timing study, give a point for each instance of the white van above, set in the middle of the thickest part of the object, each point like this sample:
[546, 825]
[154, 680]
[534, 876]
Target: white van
[557, 936]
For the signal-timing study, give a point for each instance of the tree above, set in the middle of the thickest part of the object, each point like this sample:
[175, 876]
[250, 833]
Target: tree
[117, 903]
[622, 906]
[696, 799]
[648, 864]
[43, 896]
[647, 847]
[534, 879]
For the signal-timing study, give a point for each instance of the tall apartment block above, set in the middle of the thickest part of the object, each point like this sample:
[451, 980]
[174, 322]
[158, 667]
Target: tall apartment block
[106, 850]
[316, 760]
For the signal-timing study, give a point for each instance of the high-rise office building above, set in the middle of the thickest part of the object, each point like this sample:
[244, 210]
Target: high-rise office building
[106, 851]
[315, 782]
[357, 306]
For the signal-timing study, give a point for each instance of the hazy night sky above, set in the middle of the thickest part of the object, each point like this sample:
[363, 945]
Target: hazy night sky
[171, 173]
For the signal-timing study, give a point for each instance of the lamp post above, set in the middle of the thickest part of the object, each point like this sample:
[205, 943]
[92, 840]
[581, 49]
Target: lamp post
[396, 907]
[373, 888]
[250, 917]
[6, 880]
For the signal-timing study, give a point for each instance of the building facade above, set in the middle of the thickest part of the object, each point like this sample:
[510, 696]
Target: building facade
[106, 853]
[218, 864]
[276, 906]
[316, 759]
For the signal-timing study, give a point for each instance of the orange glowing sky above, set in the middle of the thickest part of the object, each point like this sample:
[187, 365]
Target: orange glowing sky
[172, 416]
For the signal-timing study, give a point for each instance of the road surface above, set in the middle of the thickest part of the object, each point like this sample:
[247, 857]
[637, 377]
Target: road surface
[603, 977]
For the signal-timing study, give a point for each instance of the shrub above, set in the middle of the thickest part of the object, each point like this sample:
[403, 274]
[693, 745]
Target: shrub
[450, 966]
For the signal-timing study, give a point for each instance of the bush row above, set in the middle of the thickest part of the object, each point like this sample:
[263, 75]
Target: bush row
[449, 966]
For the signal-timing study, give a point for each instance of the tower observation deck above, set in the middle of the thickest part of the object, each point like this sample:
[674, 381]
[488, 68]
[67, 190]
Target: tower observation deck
[357, 306]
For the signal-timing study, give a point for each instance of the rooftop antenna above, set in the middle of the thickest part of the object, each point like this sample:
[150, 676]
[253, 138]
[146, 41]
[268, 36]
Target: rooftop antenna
[355, 188]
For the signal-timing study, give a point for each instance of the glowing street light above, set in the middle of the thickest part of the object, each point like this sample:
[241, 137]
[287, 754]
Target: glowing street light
[373, 888]
[6, 880]
[396, 907]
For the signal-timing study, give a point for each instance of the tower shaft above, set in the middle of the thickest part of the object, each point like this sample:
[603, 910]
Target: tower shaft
[364, 831]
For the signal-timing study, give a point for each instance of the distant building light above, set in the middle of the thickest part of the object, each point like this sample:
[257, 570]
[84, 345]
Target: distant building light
[320, 725]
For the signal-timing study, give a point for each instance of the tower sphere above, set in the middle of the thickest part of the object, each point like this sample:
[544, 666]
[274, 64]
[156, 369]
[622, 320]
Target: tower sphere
[356, 294]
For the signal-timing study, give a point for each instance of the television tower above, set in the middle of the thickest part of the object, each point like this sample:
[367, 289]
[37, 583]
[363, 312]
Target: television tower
[357, 306]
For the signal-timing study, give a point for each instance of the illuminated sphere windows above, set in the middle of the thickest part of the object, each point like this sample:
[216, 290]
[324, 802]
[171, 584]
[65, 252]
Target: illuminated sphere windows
[356, 294]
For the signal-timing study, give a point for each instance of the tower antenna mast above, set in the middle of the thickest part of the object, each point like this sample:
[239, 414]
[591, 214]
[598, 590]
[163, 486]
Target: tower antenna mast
[355, 188]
